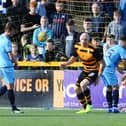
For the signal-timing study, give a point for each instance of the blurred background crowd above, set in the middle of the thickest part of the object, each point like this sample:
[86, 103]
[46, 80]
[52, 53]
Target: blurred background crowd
[46, 30]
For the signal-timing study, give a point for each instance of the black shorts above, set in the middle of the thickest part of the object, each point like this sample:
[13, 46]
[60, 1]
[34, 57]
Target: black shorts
[91, 76]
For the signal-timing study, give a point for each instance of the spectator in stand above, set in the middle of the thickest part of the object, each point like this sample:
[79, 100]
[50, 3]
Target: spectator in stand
[41, 35]
[97, 44]
[99, 20]
[34, 56]
[4, 4]
[52, 53]
[59, 20]
[15, 52]
[88, 27]
[41, 9]
[108, 6]
[30, 21]
[122, 8]
[1, 26]
[15, 13]
[46, 8]
[24, 48]
[117, 27]
[71, 38]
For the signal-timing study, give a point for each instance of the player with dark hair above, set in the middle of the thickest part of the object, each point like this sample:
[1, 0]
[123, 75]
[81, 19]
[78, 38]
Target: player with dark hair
[6, 66]
[112, 57]
[92, 62]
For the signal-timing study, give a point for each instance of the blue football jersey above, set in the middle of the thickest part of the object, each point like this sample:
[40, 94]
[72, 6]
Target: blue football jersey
[5, 48]
[114, 55]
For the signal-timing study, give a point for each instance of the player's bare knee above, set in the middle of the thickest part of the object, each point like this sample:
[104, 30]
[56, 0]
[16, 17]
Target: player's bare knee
[84, 83]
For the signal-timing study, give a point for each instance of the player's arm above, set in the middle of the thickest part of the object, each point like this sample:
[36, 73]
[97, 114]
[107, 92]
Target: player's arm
[25, 29]
[101, 67]
[70, 61]
[99, 57]
[11, 57]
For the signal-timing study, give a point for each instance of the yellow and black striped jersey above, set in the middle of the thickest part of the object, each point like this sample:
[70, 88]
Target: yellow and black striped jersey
[89, 56]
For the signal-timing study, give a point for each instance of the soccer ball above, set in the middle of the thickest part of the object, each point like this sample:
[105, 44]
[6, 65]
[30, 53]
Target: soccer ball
[42, 36]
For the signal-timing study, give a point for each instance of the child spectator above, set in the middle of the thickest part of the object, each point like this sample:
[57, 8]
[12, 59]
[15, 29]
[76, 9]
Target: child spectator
[15, 50]
[16, 55]
[34, 56]
[50, 51]
[24, 48]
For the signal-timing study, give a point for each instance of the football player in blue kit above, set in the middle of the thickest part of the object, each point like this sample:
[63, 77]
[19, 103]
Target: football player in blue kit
[112, 57]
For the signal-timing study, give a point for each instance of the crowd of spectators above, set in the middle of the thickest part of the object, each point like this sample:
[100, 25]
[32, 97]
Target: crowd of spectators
[46, 32]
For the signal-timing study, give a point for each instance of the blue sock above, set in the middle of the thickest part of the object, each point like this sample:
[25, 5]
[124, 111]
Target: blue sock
[3, 90]
[11, 97]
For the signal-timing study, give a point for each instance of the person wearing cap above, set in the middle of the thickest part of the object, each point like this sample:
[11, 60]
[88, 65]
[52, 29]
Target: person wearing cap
[92, 64]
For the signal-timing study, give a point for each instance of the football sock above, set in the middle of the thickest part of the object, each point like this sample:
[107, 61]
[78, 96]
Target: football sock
[82, 99]
[109, 98]
[3, 90]
[88, 96]
[115, 98]
[11, 97]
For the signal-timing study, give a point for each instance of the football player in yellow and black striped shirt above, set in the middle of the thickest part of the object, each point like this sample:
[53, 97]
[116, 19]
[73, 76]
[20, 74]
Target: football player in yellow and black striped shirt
[92, 64]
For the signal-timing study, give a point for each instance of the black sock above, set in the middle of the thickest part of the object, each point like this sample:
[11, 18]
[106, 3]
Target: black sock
[115, 98]
[88, 96]
[109, 98]
[82, 99]
[11, 97]
[3, 90]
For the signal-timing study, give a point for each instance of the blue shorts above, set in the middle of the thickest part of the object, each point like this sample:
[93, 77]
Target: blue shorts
[8, 75]
[109, 77]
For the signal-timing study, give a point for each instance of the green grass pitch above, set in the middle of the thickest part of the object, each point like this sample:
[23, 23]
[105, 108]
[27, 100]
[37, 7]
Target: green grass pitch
[38, 117]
